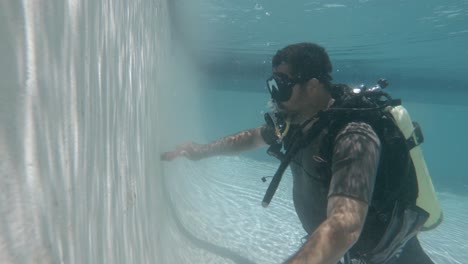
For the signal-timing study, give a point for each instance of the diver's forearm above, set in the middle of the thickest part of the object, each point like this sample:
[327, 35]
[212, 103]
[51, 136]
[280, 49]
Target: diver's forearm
[326, 245]
[242, 141]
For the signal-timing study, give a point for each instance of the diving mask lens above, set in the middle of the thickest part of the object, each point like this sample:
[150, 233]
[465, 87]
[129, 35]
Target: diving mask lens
[280, 87]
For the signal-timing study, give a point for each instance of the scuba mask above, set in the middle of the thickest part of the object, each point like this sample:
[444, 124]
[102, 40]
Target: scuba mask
[280, 86]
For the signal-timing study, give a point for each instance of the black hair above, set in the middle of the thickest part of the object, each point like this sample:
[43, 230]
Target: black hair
[306, 60]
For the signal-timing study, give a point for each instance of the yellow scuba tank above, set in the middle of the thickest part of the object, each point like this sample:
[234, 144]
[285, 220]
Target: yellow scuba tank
[427, 198]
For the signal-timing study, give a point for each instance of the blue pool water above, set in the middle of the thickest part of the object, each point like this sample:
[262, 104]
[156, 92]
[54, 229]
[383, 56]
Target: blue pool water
[92, 92]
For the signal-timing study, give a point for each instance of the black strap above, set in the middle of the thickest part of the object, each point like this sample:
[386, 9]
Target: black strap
[321, 122]
[416, 137]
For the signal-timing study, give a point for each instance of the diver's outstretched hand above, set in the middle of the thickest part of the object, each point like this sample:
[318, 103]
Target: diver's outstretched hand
[190, 150]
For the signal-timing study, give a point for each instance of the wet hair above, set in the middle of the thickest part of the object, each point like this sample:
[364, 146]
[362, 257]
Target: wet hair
[306, 61]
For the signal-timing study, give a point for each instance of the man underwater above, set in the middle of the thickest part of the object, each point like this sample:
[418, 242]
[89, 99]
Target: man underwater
[351, 207]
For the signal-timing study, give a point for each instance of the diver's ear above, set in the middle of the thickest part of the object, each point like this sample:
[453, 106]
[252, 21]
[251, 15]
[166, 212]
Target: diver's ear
[312, 84]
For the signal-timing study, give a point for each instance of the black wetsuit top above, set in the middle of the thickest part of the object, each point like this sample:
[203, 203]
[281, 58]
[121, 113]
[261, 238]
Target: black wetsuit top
[349, 171]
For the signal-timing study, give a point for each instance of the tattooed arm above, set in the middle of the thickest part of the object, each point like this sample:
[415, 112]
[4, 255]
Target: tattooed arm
[242, 141]
[335, 235]
[355, 160]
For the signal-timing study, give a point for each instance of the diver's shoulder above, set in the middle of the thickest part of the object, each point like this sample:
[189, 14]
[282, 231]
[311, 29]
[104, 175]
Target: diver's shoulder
[358, 127]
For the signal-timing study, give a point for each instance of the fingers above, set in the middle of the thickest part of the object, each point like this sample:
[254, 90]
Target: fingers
[168, 156]
[181, 150]
[184, 146]
[171, 155]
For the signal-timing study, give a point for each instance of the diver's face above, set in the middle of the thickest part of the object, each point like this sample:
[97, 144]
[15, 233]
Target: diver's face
[293, 105]
[298, 101]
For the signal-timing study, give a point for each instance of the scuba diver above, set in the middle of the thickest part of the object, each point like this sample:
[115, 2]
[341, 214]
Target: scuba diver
[361, 188]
